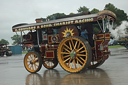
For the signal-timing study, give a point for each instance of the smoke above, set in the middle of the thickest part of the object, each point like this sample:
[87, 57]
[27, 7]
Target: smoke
[119, 31]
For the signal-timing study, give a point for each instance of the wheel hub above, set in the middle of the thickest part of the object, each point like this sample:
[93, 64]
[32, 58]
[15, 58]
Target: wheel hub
[31, 62]
[73, 54]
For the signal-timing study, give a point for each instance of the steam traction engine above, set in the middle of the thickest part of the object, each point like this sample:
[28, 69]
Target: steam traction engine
[61, 41]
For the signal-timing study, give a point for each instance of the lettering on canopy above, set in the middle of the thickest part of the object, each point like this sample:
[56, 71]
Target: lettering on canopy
[54, 24]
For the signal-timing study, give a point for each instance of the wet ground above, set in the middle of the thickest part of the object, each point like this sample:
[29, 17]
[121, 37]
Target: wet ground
[113, 72]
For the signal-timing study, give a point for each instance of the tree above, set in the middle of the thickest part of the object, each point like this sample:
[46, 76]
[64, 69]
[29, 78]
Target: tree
[16, 39]
[54, 16]
[71, 13]
[121, 15]
[83, 9]
[94, 10]
[3, 41]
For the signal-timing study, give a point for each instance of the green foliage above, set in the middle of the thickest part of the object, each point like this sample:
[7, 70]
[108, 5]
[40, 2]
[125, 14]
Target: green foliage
[54, 16]
[121, 15]
[3, 41]
[16, 39]
[71, 13]
[96, 30]
[94, 10]
[83, 9]
[44, 19]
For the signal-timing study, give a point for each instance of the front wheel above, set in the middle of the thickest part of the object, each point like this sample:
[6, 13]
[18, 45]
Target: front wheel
[50, 64]
[74, 54]
[32, 62]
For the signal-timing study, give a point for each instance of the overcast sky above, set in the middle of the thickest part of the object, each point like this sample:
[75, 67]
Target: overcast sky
[26, 11]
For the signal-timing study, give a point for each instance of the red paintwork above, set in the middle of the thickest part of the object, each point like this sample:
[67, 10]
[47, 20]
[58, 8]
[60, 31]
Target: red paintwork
[101, 39]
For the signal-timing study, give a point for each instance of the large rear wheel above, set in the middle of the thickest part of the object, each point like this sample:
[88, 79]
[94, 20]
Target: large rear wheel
[74, 54]
[32, 62]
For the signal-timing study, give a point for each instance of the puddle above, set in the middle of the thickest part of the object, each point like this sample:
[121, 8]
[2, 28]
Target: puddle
[122, 58]
[114, 54]
[3, 62]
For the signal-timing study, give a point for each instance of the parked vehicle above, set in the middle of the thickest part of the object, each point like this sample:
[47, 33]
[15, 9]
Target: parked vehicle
[123, 41]
[112, 42]
[4, 50]
[60, 41]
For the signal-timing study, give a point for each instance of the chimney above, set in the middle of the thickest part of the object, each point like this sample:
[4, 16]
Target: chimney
[38, 20]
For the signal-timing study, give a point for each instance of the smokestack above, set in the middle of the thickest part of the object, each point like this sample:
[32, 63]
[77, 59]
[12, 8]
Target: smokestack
[39, 20]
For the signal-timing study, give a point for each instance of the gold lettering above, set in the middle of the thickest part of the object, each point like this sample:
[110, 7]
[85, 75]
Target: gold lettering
[60, 23]
[85, 20]
[68, 22]
[42, 26]
[80, 21]
[38, 27]
[71, 22]
[63, 23]
[76, 21]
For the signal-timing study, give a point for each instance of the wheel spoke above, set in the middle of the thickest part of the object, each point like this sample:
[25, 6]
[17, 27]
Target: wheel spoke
[66, 56]
[80, 55]
[31, 57]
[67, 59]
[67, 46]
[35, 56]
[71, 64]
[28, 59]
[82, 59]
[77, 64]
[74, 63]
[64, 53]
[80, 49]
[34, 66]
[31, 67]
[78, 45]
[79, 60]
[66, 50]
[28, 64]
[75, 44]
[35, 60]
[70, 45]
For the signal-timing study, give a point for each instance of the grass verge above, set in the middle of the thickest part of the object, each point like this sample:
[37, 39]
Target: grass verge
[115, 46]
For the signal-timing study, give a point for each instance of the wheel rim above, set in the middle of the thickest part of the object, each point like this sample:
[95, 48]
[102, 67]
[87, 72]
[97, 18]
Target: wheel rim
[72, 54]
[31, 62]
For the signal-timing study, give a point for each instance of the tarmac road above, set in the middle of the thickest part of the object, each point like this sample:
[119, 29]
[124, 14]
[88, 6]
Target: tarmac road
[113, 72]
